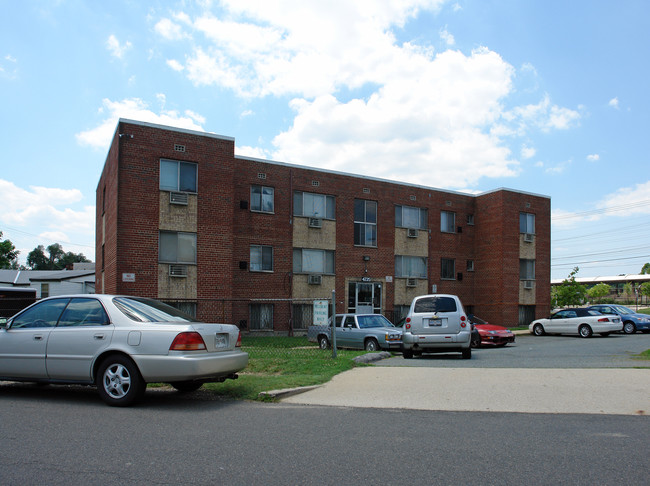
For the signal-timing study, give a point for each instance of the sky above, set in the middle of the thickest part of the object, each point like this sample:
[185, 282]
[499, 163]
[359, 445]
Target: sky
[541, 96]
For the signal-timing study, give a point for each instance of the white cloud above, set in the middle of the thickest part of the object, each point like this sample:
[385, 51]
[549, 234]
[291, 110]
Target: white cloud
[175, 65]
[593, 157]
[169, 29]
[135, 109]
[447, 37]
[115, 48]
[627, 201]
[613, 103]
[527, 152]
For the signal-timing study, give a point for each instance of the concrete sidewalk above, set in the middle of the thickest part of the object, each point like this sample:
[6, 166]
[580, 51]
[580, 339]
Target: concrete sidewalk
[587, 391]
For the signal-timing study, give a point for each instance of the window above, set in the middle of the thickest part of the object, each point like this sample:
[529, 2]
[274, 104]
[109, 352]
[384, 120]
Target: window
[527, 223]
[365, 222]
[313, 261]
[526, 269]
[470, 219]
[313, 205]
[177, 247]
[408, 217]
[83, 312]
[45, 288]
[43, 314]
[447, 222]
[177, 176]
[448, 269]
[188, 308]
[262, 199]
[261, 317]
[261, 258]
[470, 265]
[410, 266]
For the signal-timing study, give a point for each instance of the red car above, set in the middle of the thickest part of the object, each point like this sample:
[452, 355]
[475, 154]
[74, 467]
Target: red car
[490, 334]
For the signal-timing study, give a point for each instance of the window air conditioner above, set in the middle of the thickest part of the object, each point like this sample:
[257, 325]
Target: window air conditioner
[529, 237]
[315, 223]
[178, 198]
[528, 284]
[178, 270]
[411, 282]
[315, 279]
[412, 233]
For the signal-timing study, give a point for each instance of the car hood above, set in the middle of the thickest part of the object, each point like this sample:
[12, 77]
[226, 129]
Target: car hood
[490, 327]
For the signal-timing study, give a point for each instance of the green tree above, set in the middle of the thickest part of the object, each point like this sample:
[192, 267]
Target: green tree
[646, 269]
[56, 258]
[597, 292]
[570, 292]
[8, 254]
[628, 291]
[644, 289]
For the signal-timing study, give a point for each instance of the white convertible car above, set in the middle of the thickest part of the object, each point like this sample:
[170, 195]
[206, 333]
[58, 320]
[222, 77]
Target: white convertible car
[584, 322]
[118, 344]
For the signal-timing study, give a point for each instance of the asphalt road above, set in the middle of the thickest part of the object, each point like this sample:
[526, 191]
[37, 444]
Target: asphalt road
[67, 436]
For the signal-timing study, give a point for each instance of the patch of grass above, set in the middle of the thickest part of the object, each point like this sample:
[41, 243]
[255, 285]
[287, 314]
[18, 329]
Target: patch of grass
[644, 311]
[276, 363]
[644, 355]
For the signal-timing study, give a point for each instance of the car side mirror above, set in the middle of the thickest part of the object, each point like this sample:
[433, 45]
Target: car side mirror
[3, 323]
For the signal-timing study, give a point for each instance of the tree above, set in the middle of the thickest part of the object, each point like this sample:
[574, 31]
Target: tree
[628, 291]
[8, 254]
[597, 292]
[644, 289]
[570, 292]
[56, 258]
[646, 269]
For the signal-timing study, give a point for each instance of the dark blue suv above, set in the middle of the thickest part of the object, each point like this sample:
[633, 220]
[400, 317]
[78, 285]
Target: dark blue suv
[632, 321]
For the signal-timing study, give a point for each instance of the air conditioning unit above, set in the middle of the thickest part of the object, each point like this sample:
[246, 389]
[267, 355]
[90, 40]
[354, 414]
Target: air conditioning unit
[315, 279]
[178, 198]
[411, 282]
[529, 237]
[412, 233]
[529, 284]
[315, 223]
[178, 270]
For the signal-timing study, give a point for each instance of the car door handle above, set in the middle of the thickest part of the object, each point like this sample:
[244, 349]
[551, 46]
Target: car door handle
[38, 337]
[99, 337]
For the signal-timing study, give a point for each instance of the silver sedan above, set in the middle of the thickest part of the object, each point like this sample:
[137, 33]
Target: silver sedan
[118, 344]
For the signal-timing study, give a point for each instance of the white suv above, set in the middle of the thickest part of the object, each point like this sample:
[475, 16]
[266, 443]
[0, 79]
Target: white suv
[436, 324]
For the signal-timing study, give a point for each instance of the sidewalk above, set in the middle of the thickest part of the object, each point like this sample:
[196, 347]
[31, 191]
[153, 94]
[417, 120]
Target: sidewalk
[586, 391]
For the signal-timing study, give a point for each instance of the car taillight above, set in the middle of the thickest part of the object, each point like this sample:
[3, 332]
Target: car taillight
[188, 341]
[603, 319]
[462, 321]
[238, 345]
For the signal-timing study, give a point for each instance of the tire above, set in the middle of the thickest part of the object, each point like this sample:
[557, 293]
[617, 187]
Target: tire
[407, 353]
[538, 330]
[475, 343]
[119, 382]
[585, 331]
[629, 327]
[187, 386]
[323, 342]
[467, 353]
[371, 345]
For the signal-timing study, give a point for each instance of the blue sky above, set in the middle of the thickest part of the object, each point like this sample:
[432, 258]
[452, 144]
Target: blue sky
[548, 97]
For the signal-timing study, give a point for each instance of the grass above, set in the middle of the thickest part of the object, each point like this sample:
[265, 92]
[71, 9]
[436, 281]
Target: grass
[644, 311]
[276, 363]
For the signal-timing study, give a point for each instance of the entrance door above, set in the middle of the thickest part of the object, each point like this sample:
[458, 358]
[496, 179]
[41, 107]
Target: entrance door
[364, 298]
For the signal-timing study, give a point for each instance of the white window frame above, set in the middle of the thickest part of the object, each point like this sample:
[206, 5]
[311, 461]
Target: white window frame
[527, 223]
[447, 222]
[404, 215]
[408, 266]
[526, 269]
[178, 254]
[262, 199]
[313, 261]
[312, 205]
[365, 231]
[176, 186]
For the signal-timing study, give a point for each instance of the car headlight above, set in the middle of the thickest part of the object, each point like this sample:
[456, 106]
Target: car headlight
[393, 337]
[644, 319]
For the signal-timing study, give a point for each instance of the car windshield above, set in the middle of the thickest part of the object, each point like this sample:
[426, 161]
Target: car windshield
[623, 310]
[366, 322]
[149, 310]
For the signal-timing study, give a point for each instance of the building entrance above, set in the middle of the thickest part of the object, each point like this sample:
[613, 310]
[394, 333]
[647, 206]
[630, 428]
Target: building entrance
[364, 297]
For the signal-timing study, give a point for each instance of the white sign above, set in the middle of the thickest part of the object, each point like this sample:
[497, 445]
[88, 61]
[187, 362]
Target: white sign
[389, 278]
[320, 312]
[128, 277]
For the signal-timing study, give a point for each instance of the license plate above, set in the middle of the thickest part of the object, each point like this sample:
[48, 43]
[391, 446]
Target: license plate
[435, 322]
[220, 341]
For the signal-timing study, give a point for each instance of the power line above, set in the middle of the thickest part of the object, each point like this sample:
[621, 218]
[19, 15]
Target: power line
[610, 209]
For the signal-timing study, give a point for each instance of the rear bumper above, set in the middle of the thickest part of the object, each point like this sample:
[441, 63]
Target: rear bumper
[436, 341]
[186, 367]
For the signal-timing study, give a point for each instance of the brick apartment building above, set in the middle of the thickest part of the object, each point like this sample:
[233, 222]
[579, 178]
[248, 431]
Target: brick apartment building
[182, 219]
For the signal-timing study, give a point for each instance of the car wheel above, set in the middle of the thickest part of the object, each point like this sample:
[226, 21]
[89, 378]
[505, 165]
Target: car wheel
[538, 330]
[119, 382]
[323, 342]
[371, 345]
[629, 328]
[475, 343]
[585, 331]
[407, 353]
[467, 353]
[187, 386]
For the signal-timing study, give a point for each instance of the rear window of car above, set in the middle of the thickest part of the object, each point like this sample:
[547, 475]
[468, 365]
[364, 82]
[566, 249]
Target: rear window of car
[435, 304]
[149, 310]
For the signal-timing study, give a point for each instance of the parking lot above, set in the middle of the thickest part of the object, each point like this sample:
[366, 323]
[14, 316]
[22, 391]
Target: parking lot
[548, 374]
